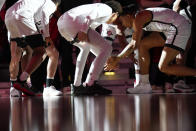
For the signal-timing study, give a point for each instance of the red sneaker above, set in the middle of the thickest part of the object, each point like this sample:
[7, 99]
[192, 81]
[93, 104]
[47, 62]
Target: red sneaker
[24, 88]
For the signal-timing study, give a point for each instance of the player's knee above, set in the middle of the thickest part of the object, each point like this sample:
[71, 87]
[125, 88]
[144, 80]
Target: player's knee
[56, 54]
[28, 53]
[53, 54]
[162, 67]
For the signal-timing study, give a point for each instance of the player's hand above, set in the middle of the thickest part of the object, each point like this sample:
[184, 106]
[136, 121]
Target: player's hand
[112, 63]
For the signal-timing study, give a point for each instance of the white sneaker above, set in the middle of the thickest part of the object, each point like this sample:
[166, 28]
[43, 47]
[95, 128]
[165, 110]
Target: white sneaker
[182, 87]
[14, 92]
[51, 91]
[141, 88]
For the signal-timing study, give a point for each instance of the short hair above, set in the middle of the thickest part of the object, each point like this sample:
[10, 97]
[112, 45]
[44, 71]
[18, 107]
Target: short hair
[57, 2]
[116, 6]
[130, 9]
[183, 4]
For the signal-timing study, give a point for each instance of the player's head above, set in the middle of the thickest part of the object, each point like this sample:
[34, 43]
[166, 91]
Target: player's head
[131, 8]
[116, 6]
[183, 4]
[128, 14]
[57, 2]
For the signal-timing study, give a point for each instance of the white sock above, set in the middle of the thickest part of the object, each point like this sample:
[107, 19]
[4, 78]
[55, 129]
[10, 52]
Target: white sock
[13, 79]
[24, 76]
[136, 56]
[77, 84]
[49, 77]
[137, 78]
[137, 67]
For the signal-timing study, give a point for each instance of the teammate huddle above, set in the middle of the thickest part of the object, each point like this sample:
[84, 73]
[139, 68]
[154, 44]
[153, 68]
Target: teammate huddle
[27, 23]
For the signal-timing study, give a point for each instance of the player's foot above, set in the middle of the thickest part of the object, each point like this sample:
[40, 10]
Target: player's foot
[51, 91]
[97, 89]
[14, 92]
[182, 87]
[23, 86]
[141, 88]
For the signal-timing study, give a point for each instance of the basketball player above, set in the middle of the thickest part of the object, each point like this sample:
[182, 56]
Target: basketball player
[78, 26]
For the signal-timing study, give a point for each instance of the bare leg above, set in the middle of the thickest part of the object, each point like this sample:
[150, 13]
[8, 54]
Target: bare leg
[15, 58]
[167, 56]
[14, 67]
[36, 60]
[27, 54]
[150, 41]
[51, 70]
[153, 40]
[53, 61]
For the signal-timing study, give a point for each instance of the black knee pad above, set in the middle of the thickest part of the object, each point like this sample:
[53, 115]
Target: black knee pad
[32, 40]
[20, 42]
[35, 41]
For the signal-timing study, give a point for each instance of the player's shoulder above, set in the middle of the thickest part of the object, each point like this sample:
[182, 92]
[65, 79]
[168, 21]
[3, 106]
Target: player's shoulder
[143, 17]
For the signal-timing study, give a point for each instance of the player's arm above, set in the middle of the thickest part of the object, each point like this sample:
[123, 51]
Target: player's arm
[141, 19]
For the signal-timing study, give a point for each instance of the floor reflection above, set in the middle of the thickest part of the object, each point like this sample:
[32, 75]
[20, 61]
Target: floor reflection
[103, 113]
[115, 113]
[176, 113]
[26, 114]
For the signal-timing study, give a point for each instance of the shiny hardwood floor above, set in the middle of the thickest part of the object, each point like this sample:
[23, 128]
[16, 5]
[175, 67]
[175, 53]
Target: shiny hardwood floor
[145, 112]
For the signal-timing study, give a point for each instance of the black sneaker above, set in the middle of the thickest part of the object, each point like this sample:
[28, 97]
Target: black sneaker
[80, 90]
[23, 86]
[99, 90]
